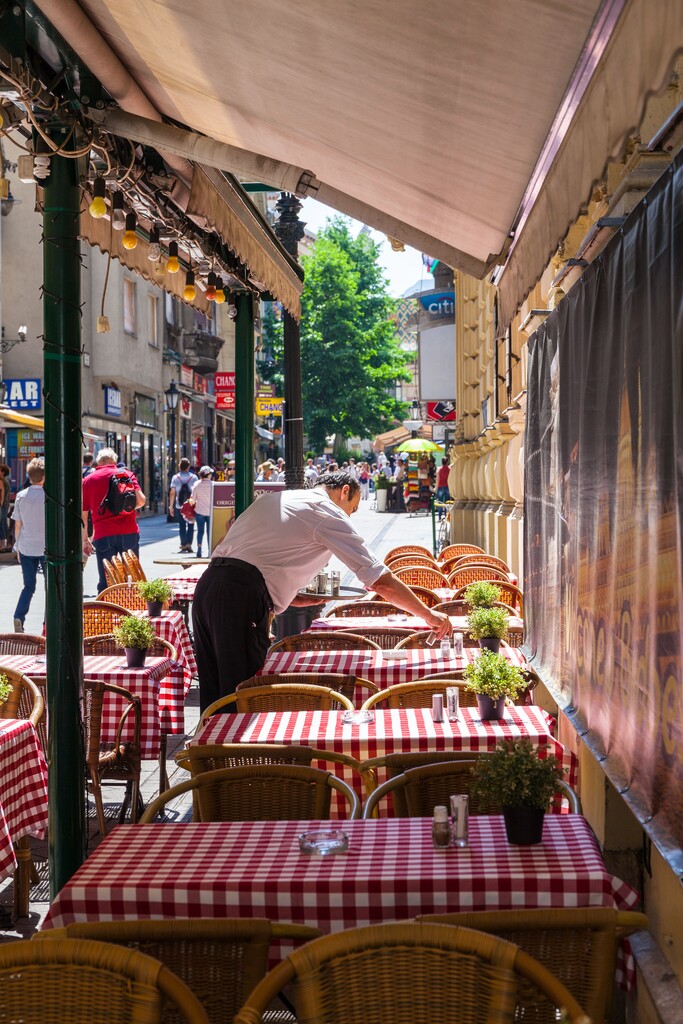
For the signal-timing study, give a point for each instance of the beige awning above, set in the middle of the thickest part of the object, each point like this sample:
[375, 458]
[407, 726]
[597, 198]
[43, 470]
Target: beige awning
[398, 435]
[432, 115]
[12, 418]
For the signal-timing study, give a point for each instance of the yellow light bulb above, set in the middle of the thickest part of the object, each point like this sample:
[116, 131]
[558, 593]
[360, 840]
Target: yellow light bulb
[189, 292]
[129, 240]
[98, 207]
[219, 296]
[173, 266]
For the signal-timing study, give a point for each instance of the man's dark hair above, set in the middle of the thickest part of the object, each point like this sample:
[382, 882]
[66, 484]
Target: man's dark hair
[335, 482]
[88, 458]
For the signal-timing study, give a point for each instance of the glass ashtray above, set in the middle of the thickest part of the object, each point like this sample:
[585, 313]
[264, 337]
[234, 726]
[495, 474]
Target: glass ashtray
[324, 843]
[357, 717]
[397, 617]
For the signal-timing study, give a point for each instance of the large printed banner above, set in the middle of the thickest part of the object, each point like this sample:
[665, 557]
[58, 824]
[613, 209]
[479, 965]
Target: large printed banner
[603, 538]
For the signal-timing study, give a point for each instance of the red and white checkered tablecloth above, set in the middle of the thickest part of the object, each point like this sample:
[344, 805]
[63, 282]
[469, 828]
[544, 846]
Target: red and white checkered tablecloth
[184, 582]
[390, 872]
[394, 730]
[372, 665]
[160, 684]
[23, 789]
[171, 626]
[395, 621]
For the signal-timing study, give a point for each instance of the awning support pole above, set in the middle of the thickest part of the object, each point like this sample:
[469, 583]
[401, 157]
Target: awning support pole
[289, 229]
[64, 549]
[244, 402]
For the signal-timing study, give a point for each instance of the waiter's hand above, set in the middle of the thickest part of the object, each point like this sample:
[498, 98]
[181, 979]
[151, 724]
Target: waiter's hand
[440, 624]
[303, 600]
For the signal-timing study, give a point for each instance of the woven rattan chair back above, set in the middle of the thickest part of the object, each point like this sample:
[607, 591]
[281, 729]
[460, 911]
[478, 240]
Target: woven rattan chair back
[126, 595]
[407, 549]
[108, 646]
[418, 693]
[100, 617]
[354, 688]
[219, 960]
[419, 790]
[578, 945]
[478, 559]
[21, 643]
[427, 596]
[132, 567]
[324, 640]
[360, 609]
[422, 576]
[264, 792]
[118, 761]
[453, 607]
[84, 980]
[512, 595]
[407, 971]
[280, 697]
[471, 573]
[458, 550]
[404, 561]
[119, 568]
[419, 641]
[111, 575]
[386, 637]
[25, 701]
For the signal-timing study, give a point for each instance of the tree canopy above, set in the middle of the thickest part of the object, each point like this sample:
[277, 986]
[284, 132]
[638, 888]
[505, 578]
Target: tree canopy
[350, 356]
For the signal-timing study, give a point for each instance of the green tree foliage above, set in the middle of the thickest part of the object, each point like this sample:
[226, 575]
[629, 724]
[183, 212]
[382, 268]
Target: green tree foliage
[350, 356]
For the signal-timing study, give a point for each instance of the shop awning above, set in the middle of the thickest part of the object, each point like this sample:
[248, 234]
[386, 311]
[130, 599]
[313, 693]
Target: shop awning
[12, 418]
[265, 434]
[398, 435]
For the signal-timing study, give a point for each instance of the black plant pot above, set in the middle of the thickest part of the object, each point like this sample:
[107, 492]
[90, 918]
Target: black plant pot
[490, 643]
[154, 608]
[523, 825]
[135, 656]
[490, 710]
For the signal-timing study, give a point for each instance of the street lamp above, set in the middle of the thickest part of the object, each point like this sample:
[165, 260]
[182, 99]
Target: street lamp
[415, 421]
[172, 395]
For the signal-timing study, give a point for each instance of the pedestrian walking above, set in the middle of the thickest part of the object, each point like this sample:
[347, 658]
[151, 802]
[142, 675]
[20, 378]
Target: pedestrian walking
[5, 492]
[201, 496]
[29, 533]
[263, 563]
[112, 496]
[181, 491]
[442, 492]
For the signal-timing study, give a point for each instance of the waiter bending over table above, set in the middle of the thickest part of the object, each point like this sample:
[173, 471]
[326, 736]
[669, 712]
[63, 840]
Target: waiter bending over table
[269, 554]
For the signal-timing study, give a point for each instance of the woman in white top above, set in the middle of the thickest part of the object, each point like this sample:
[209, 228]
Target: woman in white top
[201, 496]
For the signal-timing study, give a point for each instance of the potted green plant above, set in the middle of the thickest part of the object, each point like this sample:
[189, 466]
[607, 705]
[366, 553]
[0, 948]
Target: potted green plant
[489, 626]
[5, 688]
[381, 488]
[156, 593]
[135, 636]
[523, 783]
[493, 678]
[482, 594]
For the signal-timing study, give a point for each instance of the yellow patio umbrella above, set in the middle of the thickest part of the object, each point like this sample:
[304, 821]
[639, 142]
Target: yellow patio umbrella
[417, 444]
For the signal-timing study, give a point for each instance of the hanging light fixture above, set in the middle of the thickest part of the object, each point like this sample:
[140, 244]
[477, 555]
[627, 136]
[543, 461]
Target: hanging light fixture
[211, 287]
[232, 306]
[118, 216]
[189, 291]
[220, 294]
[154, 251]
[173, 265]
[98, 207]
[130, 239]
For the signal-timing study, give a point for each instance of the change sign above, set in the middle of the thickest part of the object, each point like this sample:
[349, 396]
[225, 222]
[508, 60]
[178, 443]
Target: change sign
[269, 407]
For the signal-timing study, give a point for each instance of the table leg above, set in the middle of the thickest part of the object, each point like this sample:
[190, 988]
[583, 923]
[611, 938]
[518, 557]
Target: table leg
[163, 777]
[22, 876]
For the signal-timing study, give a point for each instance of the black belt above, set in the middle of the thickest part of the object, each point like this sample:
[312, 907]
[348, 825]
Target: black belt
[246, 569]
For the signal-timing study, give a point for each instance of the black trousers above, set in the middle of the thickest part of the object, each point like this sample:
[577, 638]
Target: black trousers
[230, 615]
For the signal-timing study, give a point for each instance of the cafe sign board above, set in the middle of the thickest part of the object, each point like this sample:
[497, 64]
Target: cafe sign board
[224, 381]
[225, 399]
[268, 406]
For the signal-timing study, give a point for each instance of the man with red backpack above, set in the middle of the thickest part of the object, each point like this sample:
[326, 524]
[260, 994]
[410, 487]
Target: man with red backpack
[111, 495]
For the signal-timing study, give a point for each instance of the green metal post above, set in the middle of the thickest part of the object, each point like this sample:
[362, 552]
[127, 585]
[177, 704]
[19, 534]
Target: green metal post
[244, 402]
[64, 567]
[431, 503]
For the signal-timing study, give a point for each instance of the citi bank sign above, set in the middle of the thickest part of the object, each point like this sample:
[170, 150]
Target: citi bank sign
[439, 305]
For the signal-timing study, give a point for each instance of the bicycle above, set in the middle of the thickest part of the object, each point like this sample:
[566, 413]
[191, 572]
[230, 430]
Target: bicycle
[443, 537]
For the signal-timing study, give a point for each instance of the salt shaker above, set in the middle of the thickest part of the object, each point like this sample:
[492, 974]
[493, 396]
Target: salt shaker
[445, 648]
[457, 645]
[437, 707]
[460, 816]
[441, 832]
[322, 582]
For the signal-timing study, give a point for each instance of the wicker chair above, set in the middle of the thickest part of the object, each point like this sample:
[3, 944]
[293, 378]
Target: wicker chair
[131, 564]
[79, 980]
[126, 595]
[219, 960]
[208, 757]
[386, 637]
[512, 594]
[578, 945]
[119, 568]
[407, 971]
[471, 573]
[111, 575]
[407, 549]
[418, 693]
[422, 576]
[324, 640]
[21, 643]
[100, 617]
[404, 561]
[458, 550]
[264, 792]
[453, 607]
[419, 641]
[360, 609]
[117, 761]
[354, 688]
[107, 645]
[478, 559]
[280, 697]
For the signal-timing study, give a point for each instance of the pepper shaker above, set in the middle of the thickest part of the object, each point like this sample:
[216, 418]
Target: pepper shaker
[441, 831]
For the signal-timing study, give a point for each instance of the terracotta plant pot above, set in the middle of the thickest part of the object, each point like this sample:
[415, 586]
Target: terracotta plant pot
[135, 656]
[523, 825]
[154, 609]
[490, 710]
[490, 643]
